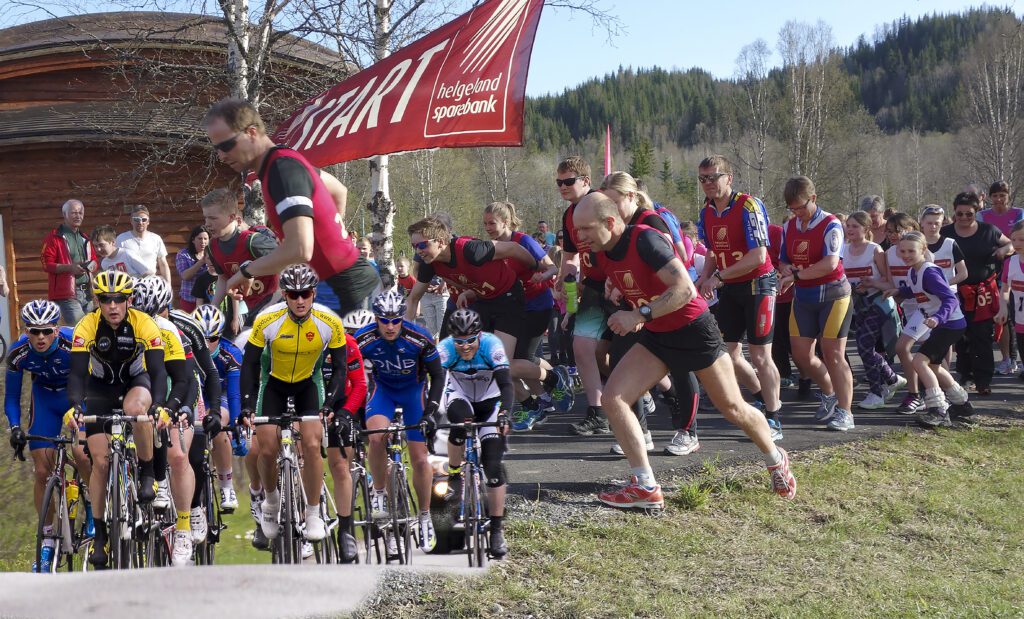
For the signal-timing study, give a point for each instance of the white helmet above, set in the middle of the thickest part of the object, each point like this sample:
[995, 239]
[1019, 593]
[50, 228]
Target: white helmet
[210, 319]
[152, 295]
[40, 312]
[357, 319]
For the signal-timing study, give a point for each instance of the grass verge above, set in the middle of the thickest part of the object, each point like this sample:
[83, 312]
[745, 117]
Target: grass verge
[906, 525]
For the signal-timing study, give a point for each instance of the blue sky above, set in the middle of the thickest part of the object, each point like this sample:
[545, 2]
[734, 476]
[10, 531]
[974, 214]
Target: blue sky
[682, 34]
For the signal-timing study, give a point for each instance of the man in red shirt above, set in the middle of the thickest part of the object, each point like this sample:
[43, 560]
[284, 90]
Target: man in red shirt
[69, 260]
[678, 336]
[734, 226]
[305, 207]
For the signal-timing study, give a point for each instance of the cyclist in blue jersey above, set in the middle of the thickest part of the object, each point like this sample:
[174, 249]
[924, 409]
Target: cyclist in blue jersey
[401, 355]
[44, 351]
[479, 388]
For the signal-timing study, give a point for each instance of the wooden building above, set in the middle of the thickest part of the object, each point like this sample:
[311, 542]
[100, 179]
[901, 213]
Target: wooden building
[106, 108]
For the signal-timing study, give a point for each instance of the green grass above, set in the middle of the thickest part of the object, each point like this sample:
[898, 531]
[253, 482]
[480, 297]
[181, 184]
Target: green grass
[907, 525]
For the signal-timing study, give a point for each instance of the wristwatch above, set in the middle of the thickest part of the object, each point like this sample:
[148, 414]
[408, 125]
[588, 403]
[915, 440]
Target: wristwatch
[796, 275]
[244, 270]
[645, 312]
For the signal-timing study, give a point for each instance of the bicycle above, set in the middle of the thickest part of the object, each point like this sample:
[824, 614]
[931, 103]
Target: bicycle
[362, 519]
[472, 509]
[62, 519]
[402, 510]
[122, 513]
[205, 551]
[287, 546]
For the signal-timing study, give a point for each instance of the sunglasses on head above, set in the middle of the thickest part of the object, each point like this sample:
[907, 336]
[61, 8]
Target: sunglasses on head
[707, 178]
[389, 321]
[298, 294]
[41, 330]
[421, 245]
[112, 298]
[466, 341]
[567, 182]
[229, 144]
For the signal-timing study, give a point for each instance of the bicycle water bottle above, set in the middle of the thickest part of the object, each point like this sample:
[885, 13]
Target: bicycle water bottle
[571, 304]
[71, 493]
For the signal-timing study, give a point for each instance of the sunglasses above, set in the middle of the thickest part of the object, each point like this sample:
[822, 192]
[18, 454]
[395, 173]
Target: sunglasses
[112, 298]
[965, 213]
[42, 331]
[140, 220]
[567, 182]
[707, 178]
[933, 210]
[389, 321]
[465, 341]
[421, 245]
[214, 339]
[229, 144]
[298, 294]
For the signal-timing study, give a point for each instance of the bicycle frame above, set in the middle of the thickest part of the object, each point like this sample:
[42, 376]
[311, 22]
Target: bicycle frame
[56, 484]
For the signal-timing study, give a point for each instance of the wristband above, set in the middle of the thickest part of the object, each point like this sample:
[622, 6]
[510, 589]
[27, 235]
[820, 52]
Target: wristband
[796, 275]
[244, 269]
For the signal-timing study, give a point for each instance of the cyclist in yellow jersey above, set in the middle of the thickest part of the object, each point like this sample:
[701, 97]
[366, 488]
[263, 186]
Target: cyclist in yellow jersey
[117, 361]
[288, 343]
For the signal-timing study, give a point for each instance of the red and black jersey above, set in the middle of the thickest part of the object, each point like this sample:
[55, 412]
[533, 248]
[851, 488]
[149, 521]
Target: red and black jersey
[228, 263]
[472, 267]
[531, 290]
[292, 188]
[729, 235]
[633, 266]
[355, 383]
[822, 237]
[573, 244]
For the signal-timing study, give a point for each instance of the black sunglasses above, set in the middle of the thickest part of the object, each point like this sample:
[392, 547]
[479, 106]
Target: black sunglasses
[389, 321]
[41, 331]
[112, 298]
[298, 294]
[229, 144]
[568, 182]
[707, 178]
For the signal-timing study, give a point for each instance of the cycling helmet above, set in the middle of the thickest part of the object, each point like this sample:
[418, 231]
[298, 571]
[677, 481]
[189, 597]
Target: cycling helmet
[39, 313]
[389, 303]
[210, 319]
[152, 294]
[298, 277]
[464, 322]
[356, 320]
[112, 282]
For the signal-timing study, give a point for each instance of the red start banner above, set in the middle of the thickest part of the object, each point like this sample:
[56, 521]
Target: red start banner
[461, 85]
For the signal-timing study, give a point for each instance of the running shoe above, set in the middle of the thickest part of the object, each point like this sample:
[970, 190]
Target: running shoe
[315, 530]
[307, 550]
[786, 383]
[889, 391]
[348, 547]
[45, 565]
[182, 554]
[841, 421]
[911, 404]
[197, 520]
[564, 395]
[872, 401]
[826, 408]
[775, 426]
[577, 382]
[1006, 367]
[648, 403]
[783, 481]
[934, 417]
[390, 546]
[593, 423]
[523, 419]
[228, 500]
[682, 444]
[962, 414]
[648, 443]
[543, 412]
[428, 538]
[633, 495]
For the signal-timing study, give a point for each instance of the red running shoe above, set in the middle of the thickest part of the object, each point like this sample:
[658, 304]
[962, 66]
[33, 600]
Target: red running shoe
[783, 482]
[633, 495]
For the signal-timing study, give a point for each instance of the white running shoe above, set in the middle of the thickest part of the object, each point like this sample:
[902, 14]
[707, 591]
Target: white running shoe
[889, 391]
[228, 499]
[269, 522]
[682, 444]
[307, 550]
[379, 504]
[315, 530]
[197, 517]
[182, 555]
[163, 494]
[872, 401]
[648, 443]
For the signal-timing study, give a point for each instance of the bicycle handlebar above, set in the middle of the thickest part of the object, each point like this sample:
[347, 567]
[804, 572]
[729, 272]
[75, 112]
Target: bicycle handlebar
[60, 440]
[391, 428]
[121, 418]
[284, 420]
[470, 424]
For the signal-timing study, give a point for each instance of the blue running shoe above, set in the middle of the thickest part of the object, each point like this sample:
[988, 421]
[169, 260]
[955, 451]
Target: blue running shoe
[827, 408]
[523, 420]
[776, 428]
[563, 396]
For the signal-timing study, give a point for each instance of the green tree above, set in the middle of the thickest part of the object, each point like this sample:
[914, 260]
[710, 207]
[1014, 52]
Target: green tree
[642, 163]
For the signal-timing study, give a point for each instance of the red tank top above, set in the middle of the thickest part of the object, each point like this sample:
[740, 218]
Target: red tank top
[531, 290]
[586, 264]
[726, 236]
[774, 249]
[489, 280]
[806, 247]
[263, 286]
[333, 251]
[640, 284]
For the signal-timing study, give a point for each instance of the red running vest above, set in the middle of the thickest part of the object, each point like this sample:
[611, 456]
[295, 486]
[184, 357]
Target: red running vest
[263, 286]
[489, 280]
[804, 248]
[726, 237]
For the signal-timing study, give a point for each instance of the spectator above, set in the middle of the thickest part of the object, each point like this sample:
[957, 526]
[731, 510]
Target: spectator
[191, 262]
[874, 206]
[406, 280]
[147, 245]
[549, 236]
[1003, 216]
[117, 258]
[69, 261]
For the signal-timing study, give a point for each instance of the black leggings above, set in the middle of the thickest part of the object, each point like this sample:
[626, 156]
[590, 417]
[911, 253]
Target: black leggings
[196, 455]
[974, 357]
[492, 445]
[781, 348]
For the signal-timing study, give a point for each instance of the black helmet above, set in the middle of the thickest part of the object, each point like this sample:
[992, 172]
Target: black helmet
[464, 322]
[298, 277]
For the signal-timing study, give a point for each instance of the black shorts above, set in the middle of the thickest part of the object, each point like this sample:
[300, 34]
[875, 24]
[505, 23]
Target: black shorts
[502, 313]
[354, 285]
[274, 394]
[102, 397]
[688, 349]
[939, 342]
[748, 308]
[532, 327]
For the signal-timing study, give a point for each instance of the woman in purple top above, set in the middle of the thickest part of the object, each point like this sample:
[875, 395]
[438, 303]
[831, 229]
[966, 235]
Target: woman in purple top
[191, 263]
[1003, 216]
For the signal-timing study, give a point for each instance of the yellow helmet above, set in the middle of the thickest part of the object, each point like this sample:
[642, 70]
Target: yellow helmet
[112, 282]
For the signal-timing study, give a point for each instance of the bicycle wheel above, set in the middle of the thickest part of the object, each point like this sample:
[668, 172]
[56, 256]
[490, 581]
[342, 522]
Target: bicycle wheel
[286, 519]
[403, 513]
[362, 523]
[474, 520]
[51, 527]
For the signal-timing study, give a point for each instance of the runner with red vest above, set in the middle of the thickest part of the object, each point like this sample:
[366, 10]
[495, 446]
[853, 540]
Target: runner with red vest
[811, 243]
[734, 226]
[489, 284]
[677, 335]
[305, 208]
